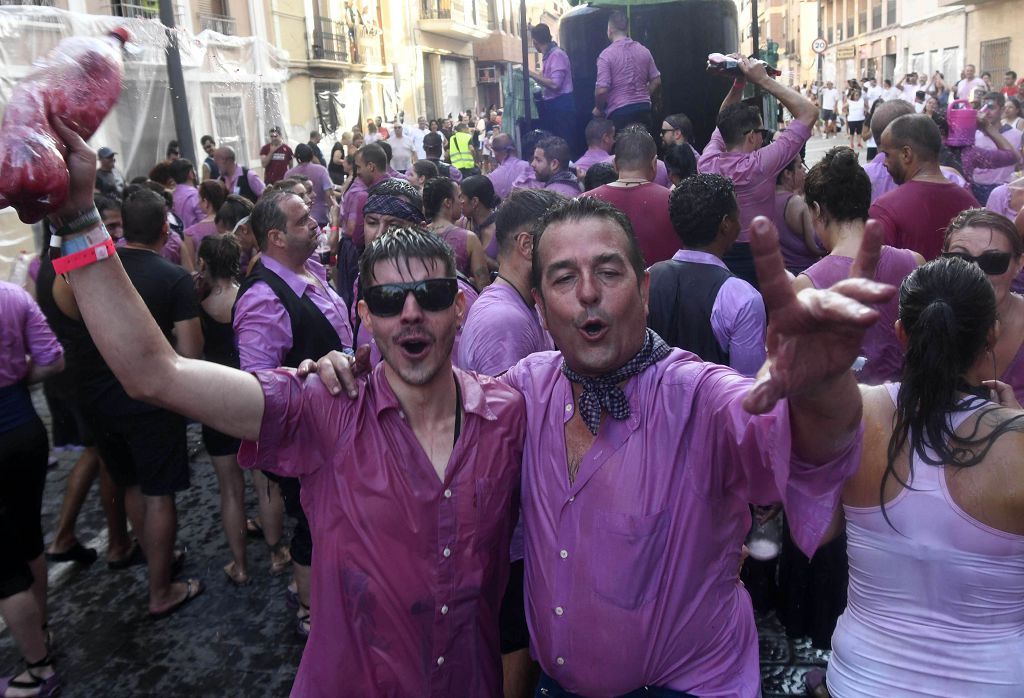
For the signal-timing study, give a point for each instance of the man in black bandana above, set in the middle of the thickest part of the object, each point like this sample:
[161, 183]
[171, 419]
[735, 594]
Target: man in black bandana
[640, 461]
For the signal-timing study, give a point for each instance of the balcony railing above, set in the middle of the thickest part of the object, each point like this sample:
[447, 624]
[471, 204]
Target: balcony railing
[146, 10]
[436, 9]
[346, 43]
[217, 23]
[31, 3]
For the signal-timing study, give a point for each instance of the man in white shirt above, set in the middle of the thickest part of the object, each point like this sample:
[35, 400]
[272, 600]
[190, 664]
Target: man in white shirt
[890, 93]
[908, 87]
[970, 84]
[829, 98]
[403, 148]
[417, 137]
[873, 92]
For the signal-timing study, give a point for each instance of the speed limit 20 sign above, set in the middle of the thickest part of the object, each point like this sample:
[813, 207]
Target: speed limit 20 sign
[819, 45]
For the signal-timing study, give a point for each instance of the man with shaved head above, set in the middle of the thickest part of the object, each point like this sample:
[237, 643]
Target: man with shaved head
[511, 172]
[237, 178]
[916, 213]
[885, 114]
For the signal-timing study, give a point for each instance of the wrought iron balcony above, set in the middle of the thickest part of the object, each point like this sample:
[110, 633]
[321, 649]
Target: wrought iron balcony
[146, 9]
[217, 23]
[31, 3]
[456, 19]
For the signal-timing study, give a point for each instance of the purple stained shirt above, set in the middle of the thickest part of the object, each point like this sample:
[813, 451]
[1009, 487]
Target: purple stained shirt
[186, 205]
[985, 174]
[624, 69]
[738, 317]
[568, 189]
[355, 199]
[880, 347]
[410, 569]
[882, 182]
[661, 175]
[512, 173]
[499, 331]
[322, 184]
[631, 571]
[263, 330]
[556, 67]
[592, 157]
[753, 174]
[23, 333]
[198, 232]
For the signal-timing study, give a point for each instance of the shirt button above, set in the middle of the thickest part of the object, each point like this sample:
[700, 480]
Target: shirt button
[440, 661]
[564, 554]
[447, 494]
[559, 610]
[560, 661]
[447, 552]
[568, 407]
[572, 499]
[444, 609]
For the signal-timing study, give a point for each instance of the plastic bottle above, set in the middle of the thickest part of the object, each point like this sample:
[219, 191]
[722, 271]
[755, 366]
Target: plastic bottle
[19, 272]
[721, 64]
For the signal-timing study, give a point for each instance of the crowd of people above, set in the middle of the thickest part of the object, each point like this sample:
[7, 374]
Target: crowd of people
[531, 403]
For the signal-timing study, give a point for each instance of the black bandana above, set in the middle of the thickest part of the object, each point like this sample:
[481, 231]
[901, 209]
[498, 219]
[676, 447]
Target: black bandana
[394, 206]
[603, 392]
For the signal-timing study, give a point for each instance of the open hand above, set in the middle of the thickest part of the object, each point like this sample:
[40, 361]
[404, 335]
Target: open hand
[815, 335]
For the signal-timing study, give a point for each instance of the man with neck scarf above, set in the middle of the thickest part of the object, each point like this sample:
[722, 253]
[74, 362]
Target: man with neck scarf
[640, 461]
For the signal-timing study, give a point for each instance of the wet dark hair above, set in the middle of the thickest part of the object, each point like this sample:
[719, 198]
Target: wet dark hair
[433, 141]
[920, 133]
[555, 148]
[634, 147]
[947, 308]
[598, 175]
[839, 185]
[480, 187]
[161, 172]
[521, 210]
[597, 129]
[435, 191]
[984, 218]
[697, 206]
[577, 211]
[386, 147]
[221, 254]
[405, 243]
[104, 203]
[681, 122]
[736, 120]
[268, 215]
[680, 161]
[180, 169]
[144, 213]
[541, 33]
[234, 209]
[159, 189]
[213, 191]
[206, 139]
[373, 153]
[617, 19]
[425, 168]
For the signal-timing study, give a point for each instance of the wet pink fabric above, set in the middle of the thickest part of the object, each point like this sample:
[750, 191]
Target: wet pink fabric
[409, 570]
[23, 333]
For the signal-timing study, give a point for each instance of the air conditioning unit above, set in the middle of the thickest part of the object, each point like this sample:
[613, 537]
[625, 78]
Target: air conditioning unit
[487, 74]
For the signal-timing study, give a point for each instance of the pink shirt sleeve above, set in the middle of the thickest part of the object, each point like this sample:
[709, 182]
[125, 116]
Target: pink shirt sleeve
[786, 146]
[604, 72]
[263, 330]
[41, 343]
[652, 69]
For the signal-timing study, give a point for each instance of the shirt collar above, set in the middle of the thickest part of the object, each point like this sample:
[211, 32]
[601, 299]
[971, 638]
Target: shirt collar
[296, 283]
[473, 399]
[699, 257]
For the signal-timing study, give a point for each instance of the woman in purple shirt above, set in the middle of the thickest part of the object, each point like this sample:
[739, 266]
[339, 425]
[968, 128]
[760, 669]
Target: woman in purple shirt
[838, 192]
[991, 241]
[793, 219]
[212, 195]
[29, 352]
[441, 207]
[479, 206]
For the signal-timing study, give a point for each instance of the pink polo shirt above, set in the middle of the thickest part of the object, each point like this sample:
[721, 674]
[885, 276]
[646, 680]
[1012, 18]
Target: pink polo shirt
[632, 570]
[753, 174]
[625, 68]
[410, 569]
[593, 156]
[513, 173]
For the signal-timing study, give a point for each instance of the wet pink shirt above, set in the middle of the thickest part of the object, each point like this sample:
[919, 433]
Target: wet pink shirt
[263, 331]
[625, 68]
[410, 570]
[197, 232]
[753, 174]
[556, 67]
[23, 333]
[186, 204]
[631, 572]
[512, 173]
[592, 157]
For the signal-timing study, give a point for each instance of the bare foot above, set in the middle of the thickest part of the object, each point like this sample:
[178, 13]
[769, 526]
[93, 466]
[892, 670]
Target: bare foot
[236, 574]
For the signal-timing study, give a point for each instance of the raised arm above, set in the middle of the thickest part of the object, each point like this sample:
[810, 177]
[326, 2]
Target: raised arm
[130, 340]
[799, 106]
[735, 93]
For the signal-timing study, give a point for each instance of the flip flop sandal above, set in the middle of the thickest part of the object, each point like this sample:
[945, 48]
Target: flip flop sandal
[193, 588]
[302, 622]
[253, 528]
[76, 553]
[133, 557]
[279, 567]
[238, 581]
[47, 687]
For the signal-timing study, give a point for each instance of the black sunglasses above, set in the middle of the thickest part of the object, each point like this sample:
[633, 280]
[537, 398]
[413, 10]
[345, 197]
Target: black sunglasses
[433, 295]
[992, 263]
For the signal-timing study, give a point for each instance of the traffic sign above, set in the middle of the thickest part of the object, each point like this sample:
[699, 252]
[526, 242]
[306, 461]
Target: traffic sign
[819, 45]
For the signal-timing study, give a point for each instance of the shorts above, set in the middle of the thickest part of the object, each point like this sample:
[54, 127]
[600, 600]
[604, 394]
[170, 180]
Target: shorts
[23, 454]
[218, 443]
[854, 127]
[149, 450]
[828, 115]
[512, 620]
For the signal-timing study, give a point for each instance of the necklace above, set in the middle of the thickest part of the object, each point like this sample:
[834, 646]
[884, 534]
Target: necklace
[629, 182]
[516, 289]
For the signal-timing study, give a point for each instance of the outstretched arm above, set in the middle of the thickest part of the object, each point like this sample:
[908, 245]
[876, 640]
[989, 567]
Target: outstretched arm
[799, 106]
[133, 345]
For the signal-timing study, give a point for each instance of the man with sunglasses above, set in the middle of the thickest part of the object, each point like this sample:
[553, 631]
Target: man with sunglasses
[737, 151]
[411, 490]
[285, 312]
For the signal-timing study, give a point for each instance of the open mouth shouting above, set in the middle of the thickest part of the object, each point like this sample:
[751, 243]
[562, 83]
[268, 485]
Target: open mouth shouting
[414, 346]
[593, 329]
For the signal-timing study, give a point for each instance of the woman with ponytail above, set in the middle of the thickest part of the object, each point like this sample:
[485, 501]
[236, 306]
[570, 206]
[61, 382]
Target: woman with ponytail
[442, 208]
[993, 242]
[838, 193]
[935, 513]
[479, 206]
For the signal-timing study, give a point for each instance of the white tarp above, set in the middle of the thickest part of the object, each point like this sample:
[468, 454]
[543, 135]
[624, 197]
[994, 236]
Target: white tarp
[234, 87]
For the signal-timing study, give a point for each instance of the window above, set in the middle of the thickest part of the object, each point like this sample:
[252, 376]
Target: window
[890, 15]
[229, 125]
[876, 14]
[862, 17]
[995, 57]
